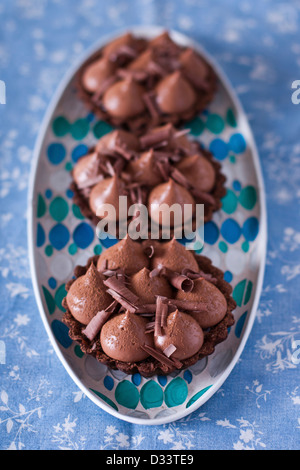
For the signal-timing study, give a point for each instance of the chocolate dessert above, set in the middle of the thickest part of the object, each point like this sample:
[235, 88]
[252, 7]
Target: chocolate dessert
[138, 84]
[148, 307]
[160, 167]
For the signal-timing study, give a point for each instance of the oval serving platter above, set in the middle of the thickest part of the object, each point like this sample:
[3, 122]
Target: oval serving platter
[60, 238]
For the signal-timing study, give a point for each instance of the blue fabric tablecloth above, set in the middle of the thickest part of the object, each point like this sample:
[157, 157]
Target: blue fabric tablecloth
[257, 44]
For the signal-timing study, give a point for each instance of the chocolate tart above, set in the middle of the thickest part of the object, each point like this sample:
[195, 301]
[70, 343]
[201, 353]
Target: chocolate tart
[137, 84]
[148, 307]
[161, 166]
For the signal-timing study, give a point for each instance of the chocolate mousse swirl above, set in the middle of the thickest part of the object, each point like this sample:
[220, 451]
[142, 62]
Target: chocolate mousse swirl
[144, 314]
[163, 166]
[138, 84]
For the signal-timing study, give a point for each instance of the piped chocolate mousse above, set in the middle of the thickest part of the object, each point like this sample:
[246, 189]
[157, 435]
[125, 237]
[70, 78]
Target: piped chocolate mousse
[145, 310]
[137, 84]
[162, 166]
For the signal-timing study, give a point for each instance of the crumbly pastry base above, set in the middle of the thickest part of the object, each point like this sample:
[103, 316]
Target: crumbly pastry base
[151, 366]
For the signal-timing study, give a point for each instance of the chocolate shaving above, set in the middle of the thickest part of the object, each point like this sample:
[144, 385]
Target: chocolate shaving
[153, 138]
[161, 357]
[149, 99]
[123, 51]
[193, 275]
[96, 323]
[90, 182]
[118, 286]
[169, 350]
[205, 197]
[127, 305]
[160, 314]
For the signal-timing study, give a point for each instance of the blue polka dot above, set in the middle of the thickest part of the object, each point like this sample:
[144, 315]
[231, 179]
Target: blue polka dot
[211, 233]
[108, 382]
[231, 230]
[78, 152]
[52, 282]
[240, 324]
[188, 376]
[219, 149]
[61, 333]
[59, 236]
[40, 236]
[250, 228]
[83, 235]
[236, 185]
[48, 193]
[162, 379]
[136, 379]
[69, 193]
[56, 153]
[90, 117]
[228, 276]
[237, 143]
[109, 241]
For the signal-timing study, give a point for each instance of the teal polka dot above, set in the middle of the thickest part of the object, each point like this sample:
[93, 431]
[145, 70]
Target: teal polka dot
[98, 249]
[61, 126]
[248, 197]
[245, 246]
[101, 128]
[230, 118]
[196, 126]
[127, 394]
[176, 392]
[215, 123]
[229, 202]
[59, 296]
[56, 153]
[41, 206]
[197, 396]
[106, 399]
[72, 249]
[50, 302]
[59, 209]
[80, 129]
[151, 395]
[49, 250]
[40, 236]
[223, 247]
[77, 212]
[79, 353]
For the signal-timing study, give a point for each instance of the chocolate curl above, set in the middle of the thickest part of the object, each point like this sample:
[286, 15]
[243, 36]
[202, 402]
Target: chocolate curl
[179, 281]
[125, 153]
[127, 305]
[164, 169]
[146, 309]
[169, 350]
[149, 251]
[200, 275]
[180, 178]
[161, 357]
[160, 314]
